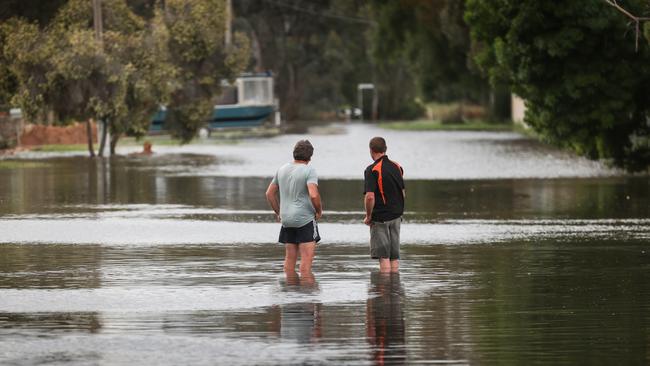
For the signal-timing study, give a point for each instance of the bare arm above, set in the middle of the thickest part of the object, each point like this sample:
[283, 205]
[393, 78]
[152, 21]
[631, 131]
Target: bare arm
[369, 203]
[272, 199]
[314, 196]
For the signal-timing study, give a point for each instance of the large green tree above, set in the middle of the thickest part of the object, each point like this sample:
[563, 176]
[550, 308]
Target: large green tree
[191, 33]
[176, 58]
[434, 38]
[65, 71]
[41, 12]
[575, 64]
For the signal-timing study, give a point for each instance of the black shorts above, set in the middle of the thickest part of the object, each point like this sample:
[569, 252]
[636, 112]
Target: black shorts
[298, 235]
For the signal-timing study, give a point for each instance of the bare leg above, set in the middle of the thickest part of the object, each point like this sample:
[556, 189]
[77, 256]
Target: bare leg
[306, 257]
[394, 265]
[292, 277]
[307, 279]
[291, 254]
[384, 265]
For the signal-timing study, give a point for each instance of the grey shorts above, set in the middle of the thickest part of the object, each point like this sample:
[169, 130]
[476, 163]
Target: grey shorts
[384, 239]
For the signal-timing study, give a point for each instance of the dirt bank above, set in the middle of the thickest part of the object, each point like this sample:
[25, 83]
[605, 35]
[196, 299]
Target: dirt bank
[36, 135]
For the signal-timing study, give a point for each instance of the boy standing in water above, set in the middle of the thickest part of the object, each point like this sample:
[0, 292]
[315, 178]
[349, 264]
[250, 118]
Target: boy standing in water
[384, 204]
[298, 208]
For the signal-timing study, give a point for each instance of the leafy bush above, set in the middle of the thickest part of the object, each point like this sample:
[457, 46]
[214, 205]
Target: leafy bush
[575, 64]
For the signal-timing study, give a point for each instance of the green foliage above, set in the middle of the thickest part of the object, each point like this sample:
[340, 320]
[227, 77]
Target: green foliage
[176, 58]
[39, 11]
[426, 125]
[317, 51]
[434, 40]
[191, 33]
[66, 70]
[576, 66]
[8, 82]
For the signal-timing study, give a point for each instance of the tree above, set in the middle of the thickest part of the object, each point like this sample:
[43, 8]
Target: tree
[636, 21]
[575, 64]
[191, 33]
[66, 70]
[7, 78]
[435, 39]
[41, 12]
[175, 58]
[317, 51]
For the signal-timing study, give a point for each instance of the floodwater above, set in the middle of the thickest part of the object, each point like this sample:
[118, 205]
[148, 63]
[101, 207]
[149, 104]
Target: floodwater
[513, 253]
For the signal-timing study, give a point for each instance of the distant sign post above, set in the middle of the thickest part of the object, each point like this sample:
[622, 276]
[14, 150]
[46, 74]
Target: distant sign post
[16, 115]
[375, 99]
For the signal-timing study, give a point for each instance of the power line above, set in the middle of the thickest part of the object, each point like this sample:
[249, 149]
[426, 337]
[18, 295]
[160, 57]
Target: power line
[322, 14]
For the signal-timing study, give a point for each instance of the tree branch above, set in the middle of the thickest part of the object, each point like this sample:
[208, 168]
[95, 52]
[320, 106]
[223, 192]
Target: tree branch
[637, 20]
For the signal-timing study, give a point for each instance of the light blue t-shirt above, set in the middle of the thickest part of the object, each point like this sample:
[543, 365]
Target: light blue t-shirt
[296, 209]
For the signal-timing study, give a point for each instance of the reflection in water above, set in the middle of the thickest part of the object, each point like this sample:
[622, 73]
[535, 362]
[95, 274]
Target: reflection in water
[79, 185]
[51, 324]
[300, 321]
[385, 319]
[24, 266]
[541, 284]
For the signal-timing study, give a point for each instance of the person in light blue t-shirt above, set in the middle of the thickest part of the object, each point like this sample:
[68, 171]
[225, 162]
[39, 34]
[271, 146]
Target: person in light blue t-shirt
[298, 207]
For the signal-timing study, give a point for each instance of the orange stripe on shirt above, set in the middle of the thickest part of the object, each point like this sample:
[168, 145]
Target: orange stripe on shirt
[380, 180]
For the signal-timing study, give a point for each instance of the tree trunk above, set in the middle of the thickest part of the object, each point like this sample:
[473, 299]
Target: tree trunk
[89, 133]
[291, 105]
[102, 142]
[257, 52]
[114, 139]
[375, 104]
[50, 117]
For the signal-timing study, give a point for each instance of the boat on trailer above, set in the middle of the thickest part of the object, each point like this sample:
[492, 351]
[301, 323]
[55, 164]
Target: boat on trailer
[247, 102]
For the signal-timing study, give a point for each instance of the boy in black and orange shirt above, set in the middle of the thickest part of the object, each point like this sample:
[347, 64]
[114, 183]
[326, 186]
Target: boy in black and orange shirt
[384, 203]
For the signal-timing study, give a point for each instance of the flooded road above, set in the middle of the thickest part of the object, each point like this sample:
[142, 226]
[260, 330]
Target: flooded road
[341, 149]
[172, 259]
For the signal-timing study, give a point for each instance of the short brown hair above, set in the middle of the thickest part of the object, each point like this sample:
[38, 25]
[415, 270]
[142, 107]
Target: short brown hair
[303, 150]
[378, 145]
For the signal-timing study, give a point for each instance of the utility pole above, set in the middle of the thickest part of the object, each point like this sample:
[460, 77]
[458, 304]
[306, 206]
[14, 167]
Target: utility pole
[228, 34]
[99, 30]
[97, 20]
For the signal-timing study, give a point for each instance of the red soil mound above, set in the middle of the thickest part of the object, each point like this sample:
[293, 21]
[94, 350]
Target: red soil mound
[34, 135]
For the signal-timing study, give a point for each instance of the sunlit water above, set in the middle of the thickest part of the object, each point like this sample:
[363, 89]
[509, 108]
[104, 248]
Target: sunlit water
[172, 259]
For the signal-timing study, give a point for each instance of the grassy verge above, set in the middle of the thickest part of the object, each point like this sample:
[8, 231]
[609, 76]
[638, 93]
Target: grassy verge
[225, 136]
[61, 148]
[427, 125]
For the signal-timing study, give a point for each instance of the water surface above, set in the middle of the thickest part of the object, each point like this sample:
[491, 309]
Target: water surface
[513, 253]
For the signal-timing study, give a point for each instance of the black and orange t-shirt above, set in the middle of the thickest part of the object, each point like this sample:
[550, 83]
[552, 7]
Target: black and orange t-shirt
[385, 179]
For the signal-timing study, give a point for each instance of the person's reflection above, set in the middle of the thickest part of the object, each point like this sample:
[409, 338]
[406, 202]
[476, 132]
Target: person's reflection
[300, 321]
[385, 319]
